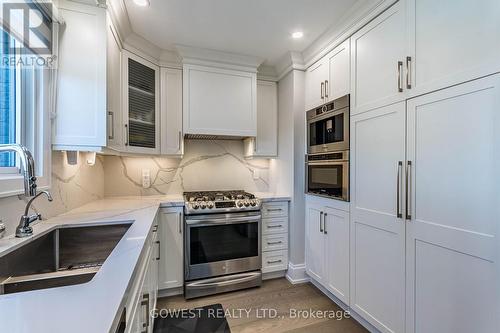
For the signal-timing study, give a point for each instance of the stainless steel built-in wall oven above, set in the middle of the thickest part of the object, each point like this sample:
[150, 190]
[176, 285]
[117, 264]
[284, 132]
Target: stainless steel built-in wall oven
[328, 127]
[222, 245]
[328, 175]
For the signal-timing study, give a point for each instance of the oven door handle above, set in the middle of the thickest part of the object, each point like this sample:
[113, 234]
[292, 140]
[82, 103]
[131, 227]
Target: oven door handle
[214, 283]
[222, 221]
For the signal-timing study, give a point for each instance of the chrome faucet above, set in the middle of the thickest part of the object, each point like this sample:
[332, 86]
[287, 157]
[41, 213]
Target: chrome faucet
[28, 166]
[24, 229]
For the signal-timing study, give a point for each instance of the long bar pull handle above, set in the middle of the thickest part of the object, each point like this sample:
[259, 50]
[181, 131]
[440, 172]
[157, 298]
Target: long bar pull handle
[322, 90]
[321, 222]
[324, 223]
[159, 250]
[400, 79]
[326, 88]
[180, 223]
[126, 134]
[408, 72]
[408, 190]
[398, 191]
[111, 125]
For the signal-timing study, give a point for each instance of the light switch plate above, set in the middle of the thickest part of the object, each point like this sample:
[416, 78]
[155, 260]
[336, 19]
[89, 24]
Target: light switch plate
[256, 174]
[146, 178]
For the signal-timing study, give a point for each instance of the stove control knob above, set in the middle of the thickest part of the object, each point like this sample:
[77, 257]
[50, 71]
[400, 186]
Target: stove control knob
[239, 204]
[247, 203]
[210, 204]
[253, 203]
[203, 205]
[195, 205]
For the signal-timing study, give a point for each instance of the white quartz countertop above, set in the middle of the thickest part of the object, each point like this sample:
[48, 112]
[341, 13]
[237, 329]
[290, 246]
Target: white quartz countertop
[95, 306]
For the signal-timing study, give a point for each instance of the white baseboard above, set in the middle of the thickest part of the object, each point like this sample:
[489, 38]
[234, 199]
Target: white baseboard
[297, 273]
[273, 275]
[170, 292]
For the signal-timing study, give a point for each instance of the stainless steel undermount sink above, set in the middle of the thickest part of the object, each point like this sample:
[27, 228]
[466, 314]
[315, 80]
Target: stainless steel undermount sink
[62, 257]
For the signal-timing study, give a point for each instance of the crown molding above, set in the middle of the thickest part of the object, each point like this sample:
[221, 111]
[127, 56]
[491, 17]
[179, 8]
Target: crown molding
[358, 16]
[289, 62]
[267, 73]
[119, 17]
[200, 56]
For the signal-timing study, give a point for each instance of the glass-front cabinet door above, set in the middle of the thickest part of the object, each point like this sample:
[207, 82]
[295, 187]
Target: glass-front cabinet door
[141, 105]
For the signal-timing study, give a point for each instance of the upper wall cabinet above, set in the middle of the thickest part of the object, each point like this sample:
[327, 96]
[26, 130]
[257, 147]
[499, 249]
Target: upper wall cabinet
[172, 142]
[452, 42]
[219, 102]
[265, 144]
[80, 121]
[113, 97]
[329, 78]
[141, 104]
[378, 53]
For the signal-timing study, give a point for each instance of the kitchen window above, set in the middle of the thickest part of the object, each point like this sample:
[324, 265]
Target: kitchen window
[24, 101]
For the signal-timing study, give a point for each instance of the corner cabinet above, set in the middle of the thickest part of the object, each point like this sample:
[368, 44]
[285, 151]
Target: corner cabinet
[171, 240]
[141, 104]
[329, 78]
[265, 144]
[327, 245]
[219, 101]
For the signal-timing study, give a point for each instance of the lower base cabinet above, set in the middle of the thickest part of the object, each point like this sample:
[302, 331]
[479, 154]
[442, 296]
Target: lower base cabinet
[327, 247]
[274, 245]
[171, 238]
[145, 290]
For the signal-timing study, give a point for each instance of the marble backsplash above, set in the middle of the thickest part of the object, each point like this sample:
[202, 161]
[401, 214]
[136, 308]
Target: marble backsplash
[206, 165]
[72, 187]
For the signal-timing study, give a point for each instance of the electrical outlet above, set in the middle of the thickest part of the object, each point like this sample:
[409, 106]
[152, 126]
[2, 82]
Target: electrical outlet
[256, 174]
[146, 178]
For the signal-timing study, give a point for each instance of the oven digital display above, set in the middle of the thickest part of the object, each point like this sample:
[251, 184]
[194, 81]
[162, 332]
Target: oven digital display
[225, 204]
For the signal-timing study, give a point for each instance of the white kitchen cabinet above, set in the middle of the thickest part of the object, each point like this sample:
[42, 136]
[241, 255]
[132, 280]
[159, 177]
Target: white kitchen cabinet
[377, 225]
[141, 104]
[315, 242]
[219, 102]
[315, 78]
[329, 78]
[172, 141]
[274, 244]
[336, 230]
[265, 144]
[113, 93]
[452, 42]
[171, 237]
[452, 247]
[327, 246]
[379, 51]
[339, 73]
[80, 119]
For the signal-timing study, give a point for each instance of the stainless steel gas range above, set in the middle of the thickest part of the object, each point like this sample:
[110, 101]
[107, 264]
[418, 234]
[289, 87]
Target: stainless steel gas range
[221, 242]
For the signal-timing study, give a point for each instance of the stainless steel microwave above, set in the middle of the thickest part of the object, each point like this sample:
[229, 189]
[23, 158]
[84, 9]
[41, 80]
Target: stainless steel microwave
[328, 127]
[327, 175]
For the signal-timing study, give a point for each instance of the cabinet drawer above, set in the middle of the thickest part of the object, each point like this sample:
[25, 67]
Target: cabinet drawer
[274, 242]
[274, 261]
[274, 209]
[274, 226]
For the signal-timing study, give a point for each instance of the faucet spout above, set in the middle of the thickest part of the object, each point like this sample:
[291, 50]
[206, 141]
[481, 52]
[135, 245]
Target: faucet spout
[24, 229]
[28, 166]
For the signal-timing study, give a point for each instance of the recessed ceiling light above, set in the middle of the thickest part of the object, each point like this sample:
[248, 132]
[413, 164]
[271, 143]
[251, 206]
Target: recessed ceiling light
[297, 34]
[142, 3]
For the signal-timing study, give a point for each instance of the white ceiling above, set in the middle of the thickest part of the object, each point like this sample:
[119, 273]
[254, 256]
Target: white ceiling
[259, 28]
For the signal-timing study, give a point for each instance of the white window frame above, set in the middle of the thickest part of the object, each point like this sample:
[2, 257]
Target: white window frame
[34, 134]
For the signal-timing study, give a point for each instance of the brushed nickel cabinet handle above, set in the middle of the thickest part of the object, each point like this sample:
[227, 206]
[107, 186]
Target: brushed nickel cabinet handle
[408, 72]
[112, 122]
[274, 261]
[324, 223]
[274, 226]
[400, 79]
[398, 191]
[321, 222]
[159, 250]
[322, 89]
[274, 209]
[274, 243]
[408, 190]
[326, 88]
[180, 223]
[126, 135]
[179, 141]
